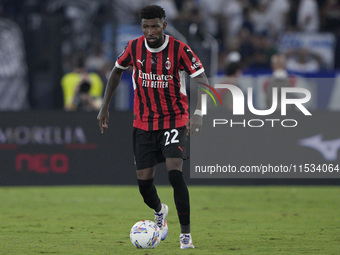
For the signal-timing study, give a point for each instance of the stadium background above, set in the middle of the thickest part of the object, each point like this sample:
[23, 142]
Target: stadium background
[40, 144]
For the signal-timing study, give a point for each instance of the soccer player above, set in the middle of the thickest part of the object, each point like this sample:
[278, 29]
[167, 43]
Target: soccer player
[161, 119]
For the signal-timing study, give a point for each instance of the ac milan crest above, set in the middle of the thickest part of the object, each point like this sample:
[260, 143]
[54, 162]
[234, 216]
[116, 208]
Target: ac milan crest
[168, 64]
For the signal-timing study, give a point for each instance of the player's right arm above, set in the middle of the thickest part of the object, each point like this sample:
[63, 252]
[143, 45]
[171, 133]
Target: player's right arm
[123, 62]
[111, 86]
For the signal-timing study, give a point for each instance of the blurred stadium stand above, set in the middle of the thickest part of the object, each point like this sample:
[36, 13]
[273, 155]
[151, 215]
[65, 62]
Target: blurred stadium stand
[53, 31]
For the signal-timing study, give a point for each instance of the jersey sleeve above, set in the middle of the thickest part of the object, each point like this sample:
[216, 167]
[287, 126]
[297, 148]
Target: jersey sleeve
[190, 62]
[124, 59]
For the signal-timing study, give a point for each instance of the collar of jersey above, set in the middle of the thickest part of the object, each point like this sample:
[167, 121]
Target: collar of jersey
[154, 50]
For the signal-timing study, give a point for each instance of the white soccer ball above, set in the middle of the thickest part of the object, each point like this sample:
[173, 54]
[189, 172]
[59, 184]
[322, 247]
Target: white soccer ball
[145, 234]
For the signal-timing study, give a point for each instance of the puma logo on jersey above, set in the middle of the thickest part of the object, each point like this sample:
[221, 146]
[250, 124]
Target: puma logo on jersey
[141, 62]
[328, 149]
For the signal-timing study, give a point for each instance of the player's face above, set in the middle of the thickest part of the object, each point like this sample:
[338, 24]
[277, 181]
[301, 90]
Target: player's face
[153, 31]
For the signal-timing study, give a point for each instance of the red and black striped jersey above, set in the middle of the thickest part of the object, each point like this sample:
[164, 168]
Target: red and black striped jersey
[160, 100]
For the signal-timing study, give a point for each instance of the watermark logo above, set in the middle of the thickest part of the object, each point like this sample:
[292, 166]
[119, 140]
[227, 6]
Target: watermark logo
[204, 97]
[282, 98]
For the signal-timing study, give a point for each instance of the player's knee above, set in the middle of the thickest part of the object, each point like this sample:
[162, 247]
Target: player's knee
[174, 163]
[145, 174]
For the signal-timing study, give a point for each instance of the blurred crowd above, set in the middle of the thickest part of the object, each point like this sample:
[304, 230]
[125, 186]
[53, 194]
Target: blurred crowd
[252, 28]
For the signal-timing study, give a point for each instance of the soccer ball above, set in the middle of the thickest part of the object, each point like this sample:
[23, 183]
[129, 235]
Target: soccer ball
[145, 234]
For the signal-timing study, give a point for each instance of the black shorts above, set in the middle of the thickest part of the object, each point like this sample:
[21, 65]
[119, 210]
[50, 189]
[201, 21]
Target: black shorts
[153, 147]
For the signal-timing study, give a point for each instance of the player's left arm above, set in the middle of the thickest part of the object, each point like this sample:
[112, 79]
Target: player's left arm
[195, 122]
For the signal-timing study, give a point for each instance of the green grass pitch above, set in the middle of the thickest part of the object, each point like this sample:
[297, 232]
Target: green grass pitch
[225, 220]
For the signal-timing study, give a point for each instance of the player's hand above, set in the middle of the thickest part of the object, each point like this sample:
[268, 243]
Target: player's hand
[194, 125]
[103, 119]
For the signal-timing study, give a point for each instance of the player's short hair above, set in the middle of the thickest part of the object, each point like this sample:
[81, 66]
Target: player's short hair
[152, 12]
